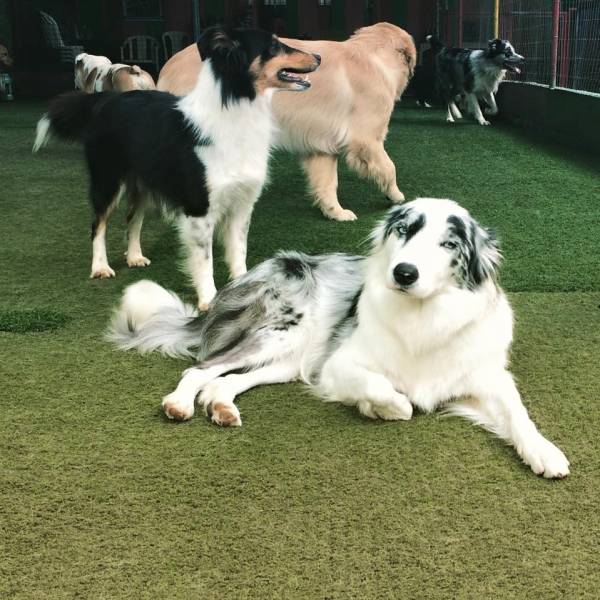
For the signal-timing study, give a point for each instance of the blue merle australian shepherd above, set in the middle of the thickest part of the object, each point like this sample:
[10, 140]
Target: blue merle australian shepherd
[204, 156]
[420, 322]
[472, 75]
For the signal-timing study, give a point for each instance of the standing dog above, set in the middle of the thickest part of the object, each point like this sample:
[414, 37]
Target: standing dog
[473, 75]
[420, 322]
[204, 155]
[98, 74]
[345, 113]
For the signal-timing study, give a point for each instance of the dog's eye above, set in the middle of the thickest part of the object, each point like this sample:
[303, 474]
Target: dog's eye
[401, 229]
[448, 244]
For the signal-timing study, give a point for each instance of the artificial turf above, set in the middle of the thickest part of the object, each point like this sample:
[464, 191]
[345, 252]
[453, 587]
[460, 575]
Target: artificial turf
[102, 497]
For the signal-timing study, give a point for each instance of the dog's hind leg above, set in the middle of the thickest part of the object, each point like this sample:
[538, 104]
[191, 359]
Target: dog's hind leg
[104, 200]
[135, 218]
[495, 403]
[197, 235]
[218, 396]
[369, 159]
[323, 180]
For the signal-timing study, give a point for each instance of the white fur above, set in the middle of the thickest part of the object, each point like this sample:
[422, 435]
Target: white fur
[42, 134]
[84, 65]
[434, 343]
[236, 164]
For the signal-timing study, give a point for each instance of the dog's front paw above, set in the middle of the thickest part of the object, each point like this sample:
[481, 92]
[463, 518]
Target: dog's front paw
[483, 122]
[137, 260]
[340, 214]
[102, 272]
[492, 112]
[396, 408]
[177, 408]
[225, 414]
[395, 196]
[546, 459]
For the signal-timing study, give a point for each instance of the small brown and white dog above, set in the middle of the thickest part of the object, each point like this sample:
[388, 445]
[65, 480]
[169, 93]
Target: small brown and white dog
[346, 112]
[98, 74]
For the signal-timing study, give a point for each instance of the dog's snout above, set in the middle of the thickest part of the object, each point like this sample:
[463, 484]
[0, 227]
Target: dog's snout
[405, 274]
[317, 58]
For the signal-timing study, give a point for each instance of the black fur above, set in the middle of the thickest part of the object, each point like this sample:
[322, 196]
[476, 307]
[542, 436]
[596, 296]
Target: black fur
[403, 223]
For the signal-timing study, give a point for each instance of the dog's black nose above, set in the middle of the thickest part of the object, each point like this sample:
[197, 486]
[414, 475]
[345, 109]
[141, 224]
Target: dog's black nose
[318, 57]
[405, 274]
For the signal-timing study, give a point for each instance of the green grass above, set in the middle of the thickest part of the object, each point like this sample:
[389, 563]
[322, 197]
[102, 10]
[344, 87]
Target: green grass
[102, 497]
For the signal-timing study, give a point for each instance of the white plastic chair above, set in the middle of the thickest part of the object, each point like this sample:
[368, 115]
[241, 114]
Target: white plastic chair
[174, 41]
[140, 49]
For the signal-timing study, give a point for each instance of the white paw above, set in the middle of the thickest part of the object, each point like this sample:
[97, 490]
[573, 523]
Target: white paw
[397, 408]
[340, 214]
[546, 459]
[137, 260]
[203, 306]
[178, 408]
[483, 122]
[218, 404]
[449, 119]
[102, 272]
[491, 112]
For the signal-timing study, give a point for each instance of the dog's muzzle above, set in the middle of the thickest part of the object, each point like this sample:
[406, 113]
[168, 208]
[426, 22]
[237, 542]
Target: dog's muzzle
[514, 63]
[299, 76]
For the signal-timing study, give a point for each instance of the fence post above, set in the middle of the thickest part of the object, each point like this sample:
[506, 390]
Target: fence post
[459, 32]
[554, 46]
[496, 19]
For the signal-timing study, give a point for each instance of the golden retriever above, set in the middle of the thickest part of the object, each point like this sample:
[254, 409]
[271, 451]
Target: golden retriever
[345, 112]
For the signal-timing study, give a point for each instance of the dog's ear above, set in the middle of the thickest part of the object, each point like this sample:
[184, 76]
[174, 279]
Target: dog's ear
[215, 40]
[485, 256]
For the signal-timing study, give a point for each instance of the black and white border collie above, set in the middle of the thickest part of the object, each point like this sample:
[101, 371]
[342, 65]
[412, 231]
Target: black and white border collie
[472, 75]
[204, 155]
[421, 322]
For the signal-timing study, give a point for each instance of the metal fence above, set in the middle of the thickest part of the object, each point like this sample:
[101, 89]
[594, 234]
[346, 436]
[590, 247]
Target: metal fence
[560, 39]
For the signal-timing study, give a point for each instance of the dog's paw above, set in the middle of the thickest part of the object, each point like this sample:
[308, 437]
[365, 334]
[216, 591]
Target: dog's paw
[395, 196]
[546, 459]
[225, 414]
[218, 404]
[491, 112]
[483, 122]
[449, 119]
[177, 408]
[102, 272]
[340, 214]
[396, 408]
[137, 260]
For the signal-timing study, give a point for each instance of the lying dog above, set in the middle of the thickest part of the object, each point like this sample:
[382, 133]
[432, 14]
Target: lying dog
[473, 75]
[205, 155]
[346, 112]
[420, 322]
[98, 74]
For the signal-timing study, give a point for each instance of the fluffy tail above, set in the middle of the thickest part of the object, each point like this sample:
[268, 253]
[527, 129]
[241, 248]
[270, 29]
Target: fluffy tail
[67, 118]
[152, 318]
[435, 43]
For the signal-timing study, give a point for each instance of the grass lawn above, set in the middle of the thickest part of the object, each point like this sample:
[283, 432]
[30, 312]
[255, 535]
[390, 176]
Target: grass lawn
[102, 497]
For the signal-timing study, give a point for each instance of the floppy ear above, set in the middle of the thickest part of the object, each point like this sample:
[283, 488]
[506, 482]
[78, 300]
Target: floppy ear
[215, 40]
[485, 256]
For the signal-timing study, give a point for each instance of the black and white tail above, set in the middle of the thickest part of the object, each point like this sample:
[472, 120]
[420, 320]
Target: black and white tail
[67, 117]
[151, 318]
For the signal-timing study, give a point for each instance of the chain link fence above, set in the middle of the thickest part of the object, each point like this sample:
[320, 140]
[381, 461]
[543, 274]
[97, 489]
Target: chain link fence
[529, 25]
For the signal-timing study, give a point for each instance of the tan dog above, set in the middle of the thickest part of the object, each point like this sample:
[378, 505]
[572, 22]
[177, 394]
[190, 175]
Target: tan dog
[346, 111]
[98, 74]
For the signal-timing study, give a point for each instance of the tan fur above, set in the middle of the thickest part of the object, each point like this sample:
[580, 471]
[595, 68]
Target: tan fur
[266, 74]
[221, 414]
[125, 78]
[345, 112]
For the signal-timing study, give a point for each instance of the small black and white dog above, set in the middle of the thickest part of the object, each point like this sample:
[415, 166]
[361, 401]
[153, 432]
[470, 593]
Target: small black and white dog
[204, 155]
[421, 322]
[472, 75]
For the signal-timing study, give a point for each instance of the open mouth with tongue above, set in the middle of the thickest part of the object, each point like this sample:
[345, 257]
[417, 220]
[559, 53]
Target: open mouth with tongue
[297, 76]
[513, 66]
